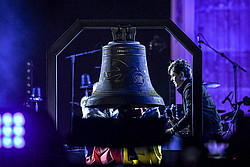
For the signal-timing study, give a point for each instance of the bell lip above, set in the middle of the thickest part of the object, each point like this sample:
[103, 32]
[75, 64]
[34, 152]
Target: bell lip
[118, 101]
[132, 106]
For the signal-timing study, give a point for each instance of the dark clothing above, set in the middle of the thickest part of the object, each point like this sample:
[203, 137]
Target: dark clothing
[211, 118]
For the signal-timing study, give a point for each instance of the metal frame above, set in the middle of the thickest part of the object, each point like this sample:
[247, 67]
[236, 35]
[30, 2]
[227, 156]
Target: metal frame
[167, 24]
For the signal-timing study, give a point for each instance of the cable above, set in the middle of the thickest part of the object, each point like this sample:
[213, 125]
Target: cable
[204, 38]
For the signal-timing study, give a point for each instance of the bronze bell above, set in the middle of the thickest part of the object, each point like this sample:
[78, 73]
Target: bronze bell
[124, 78]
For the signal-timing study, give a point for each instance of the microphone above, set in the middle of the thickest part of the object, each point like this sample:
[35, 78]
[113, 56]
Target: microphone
[198, 39]
[227, 98]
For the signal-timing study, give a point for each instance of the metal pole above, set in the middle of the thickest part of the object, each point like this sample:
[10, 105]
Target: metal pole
[235, 83]
[72, 92]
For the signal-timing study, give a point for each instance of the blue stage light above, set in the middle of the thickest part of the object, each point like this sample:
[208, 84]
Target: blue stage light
[19, 142]
[7, 142]
[18, 131]
[18, 119]
[7, 131]
[7, 119]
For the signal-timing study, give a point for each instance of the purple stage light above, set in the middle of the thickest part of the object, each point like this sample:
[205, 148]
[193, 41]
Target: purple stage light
[7, 119]
[18, 119]
[7, 142]
[18, 131]
[19, 142]
[12, 131]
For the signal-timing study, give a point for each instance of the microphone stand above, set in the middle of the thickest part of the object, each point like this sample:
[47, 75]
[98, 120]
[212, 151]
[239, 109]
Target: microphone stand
[235, 65]
[72, 57]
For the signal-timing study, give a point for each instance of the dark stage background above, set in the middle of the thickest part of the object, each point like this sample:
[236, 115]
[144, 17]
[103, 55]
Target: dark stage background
[29, 28]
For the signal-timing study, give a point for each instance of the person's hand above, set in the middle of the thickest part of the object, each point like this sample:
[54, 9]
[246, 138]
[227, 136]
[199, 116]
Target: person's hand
[173, 121]
[170, 131]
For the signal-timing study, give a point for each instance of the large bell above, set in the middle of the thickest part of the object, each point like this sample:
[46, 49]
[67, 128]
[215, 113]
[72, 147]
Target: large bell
[124, 78]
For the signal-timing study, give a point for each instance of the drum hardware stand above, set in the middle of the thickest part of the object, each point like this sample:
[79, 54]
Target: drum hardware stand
[233, 119]
[72, 57]
[246, 101]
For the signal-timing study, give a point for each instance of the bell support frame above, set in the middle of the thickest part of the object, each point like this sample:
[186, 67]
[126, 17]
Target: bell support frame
[167, 24]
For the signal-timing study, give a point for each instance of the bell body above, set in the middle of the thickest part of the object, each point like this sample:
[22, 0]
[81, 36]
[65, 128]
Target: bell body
[124, 78]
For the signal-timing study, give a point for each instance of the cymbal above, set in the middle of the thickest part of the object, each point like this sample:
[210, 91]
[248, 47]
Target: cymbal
[211, 84]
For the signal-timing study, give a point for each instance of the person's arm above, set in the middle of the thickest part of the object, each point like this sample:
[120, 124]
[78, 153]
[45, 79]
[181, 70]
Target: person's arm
[187, 118]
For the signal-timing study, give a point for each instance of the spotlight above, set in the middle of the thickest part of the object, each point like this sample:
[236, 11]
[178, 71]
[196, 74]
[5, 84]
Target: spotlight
[19, 131]
[7, 142]
[7, 131]
[19, 142]
[18, 119]
[7, 119]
